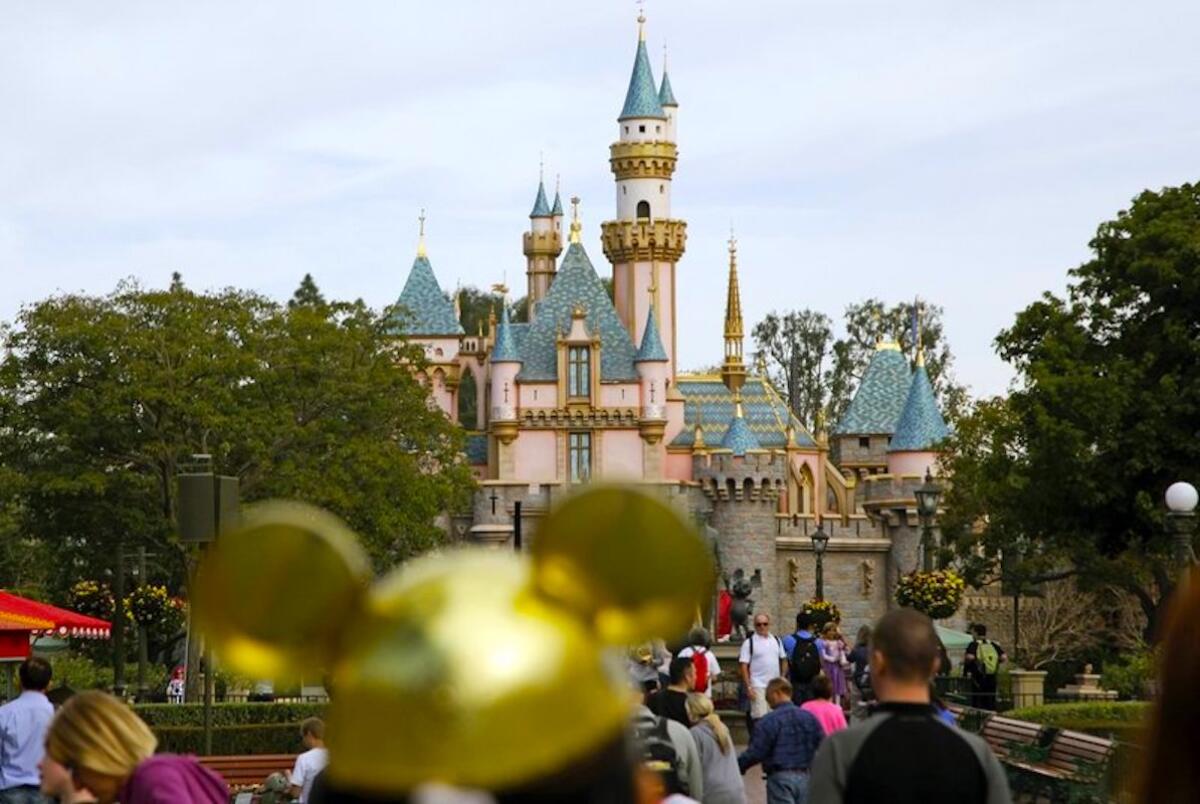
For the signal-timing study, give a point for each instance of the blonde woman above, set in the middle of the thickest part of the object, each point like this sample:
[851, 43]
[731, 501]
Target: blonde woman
[722, 778]
[110, 752]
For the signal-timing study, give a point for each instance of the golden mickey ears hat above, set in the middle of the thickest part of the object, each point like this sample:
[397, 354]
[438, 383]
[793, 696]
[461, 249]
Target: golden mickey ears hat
[474, 667]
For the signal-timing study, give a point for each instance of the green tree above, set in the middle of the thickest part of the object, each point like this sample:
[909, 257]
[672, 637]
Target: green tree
[102, 398]
[819, 374]
[1104, 415]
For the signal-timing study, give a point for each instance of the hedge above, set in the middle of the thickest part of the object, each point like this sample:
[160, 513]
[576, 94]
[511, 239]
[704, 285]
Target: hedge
[1068, 715]
[266, 738]
[228, 714]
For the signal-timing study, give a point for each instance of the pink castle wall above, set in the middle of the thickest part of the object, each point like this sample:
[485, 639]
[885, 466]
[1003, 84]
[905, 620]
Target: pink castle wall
[621, 455]
[910, 463]
[535, 457]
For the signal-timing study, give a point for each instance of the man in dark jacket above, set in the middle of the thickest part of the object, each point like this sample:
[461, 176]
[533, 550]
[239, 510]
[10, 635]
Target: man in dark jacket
[784, 741]
[904, 753]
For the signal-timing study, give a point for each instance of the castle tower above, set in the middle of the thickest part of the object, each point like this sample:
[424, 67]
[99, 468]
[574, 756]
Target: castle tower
[542, 245]
[733, 369]
[504, 363]
[644, 242]
[653, 370]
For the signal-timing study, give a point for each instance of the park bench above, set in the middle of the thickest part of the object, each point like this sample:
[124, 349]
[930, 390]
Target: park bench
[241, 772]
[1073, 760]
[1010, 737]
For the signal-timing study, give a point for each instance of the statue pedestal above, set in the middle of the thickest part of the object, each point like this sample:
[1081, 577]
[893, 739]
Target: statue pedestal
[1087, 687]
[1028, 687]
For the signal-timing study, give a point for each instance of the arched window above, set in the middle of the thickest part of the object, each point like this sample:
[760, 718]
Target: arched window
[468, 414]
[643, 209]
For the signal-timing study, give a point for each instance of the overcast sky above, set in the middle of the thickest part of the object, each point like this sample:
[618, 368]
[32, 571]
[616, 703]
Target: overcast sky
[960, 150]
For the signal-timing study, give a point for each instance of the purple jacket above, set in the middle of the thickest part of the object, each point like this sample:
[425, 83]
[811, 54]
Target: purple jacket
[172, 779]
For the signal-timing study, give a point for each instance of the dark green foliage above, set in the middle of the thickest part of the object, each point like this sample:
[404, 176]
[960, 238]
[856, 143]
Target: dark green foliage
[266, 738]
[228, 714]
[102, 399]
[1067, 472]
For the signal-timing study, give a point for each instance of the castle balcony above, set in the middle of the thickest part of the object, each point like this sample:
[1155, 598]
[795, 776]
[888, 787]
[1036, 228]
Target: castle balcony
[891, 498]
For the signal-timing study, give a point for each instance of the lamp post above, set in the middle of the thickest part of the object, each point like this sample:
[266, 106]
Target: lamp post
[1181, 522]
[927, 494]
[820, 540]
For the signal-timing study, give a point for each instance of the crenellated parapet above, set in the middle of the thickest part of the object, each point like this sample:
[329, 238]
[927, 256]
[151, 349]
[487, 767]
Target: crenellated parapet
[543, 244]
[643, 160]
[643, 240]
[759, 476]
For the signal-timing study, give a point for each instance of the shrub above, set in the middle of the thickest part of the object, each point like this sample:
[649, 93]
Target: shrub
[257, 738]
[82, 673]
[1071, 715]
[228, 714]
[1128, 676]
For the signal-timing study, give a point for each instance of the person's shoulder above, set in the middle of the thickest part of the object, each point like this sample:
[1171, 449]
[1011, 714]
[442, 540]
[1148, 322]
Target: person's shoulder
[685, 652]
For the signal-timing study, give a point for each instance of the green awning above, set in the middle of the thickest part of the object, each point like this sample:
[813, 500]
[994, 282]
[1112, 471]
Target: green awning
[953, 640]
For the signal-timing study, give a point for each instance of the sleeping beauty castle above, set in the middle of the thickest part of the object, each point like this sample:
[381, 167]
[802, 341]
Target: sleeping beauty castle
[589, 388]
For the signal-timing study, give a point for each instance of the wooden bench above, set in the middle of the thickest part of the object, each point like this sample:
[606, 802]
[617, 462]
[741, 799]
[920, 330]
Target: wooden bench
[240, 772]
[1004, 734]
[1074, 758]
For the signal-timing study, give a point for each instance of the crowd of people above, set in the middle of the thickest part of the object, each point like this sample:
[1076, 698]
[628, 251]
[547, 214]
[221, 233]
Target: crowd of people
[799, 693]
[900, 748]
[95, 748]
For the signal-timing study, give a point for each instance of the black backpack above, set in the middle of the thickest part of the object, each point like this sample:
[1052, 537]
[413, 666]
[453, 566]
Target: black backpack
[654, 741]
[805, 662]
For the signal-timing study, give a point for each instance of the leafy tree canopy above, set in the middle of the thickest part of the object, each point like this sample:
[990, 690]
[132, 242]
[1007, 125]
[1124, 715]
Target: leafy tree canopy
[102, 398]
[819, 373]
[1070, 469]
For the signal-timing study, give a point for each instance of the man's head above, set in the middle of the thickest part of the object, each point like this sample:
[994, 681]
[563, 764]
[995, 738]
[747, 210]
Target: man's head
[762, 624]
[779, 691]
[904, 652]
[682, 673]
[980, 630]
[699, 638]
[803, 621]
[35, 674]
[312, 732]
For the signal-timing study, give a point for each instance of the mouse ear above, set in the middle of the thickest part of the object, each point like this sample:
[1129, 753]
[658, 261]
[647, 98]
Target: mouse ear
[625, 562]
[276, 594]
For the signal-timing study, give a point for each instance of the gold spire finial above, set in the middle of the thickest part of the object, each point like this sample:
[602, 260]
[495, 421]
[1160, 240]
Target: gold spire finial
[738, 413]
[576, 226]
[557, 183]
[920, 361]
[641, 20]
[541, 166]
[421, 233]
[733, 370]
[458, 300]
[664, 56]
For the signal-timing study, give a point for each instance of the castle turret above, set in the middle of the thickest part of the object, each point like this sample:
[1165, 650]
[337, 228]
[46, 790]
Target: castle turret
[542, 245]
[861, 437]
[733, 369]
[654, 373]
[921, 427]
[504, 363]
[666, 98]
[643, 243]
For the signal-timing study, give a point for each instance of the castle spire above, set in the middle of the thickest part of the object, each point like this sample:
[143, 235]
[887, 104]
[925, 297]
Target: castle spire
[641, 99]
[421, 233]
[733, 370]
[917, 345]
[576, 226]
[557, 209]
[666, 96]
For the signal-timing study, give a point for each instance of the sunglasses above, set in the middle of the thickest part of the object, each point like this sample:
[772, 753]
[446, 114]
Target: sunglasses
[761, 625]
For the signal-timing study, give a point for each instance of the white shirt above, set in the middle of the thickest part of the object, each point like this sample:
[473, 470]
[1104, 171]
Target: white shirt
[714, 667]
[308, 765]
[764, 664]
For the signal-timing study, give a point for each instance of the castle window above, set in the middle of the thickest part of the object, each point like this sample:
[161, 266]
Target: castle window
[579, 374]
[662, 188]
[642, 129]
[864, 442]
[658, 129]
[626, 129]
[579, 456]
[643, 209]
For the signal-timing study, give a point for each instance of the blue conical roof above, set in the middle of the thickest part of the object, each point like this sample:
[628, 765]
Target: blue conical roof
[921, 425]
[557, 209]
[739, 438]
[665, 96]
[652, 345]
[641, 100]
[879, 400]
[505, 348]
[428, 311]
[541, 209]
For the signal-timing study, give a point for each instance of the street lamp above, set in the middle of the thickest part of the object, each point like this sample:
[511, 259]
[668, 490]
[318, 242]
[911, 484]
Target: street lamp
[820, 540]
[927, 494]
[1181, 520]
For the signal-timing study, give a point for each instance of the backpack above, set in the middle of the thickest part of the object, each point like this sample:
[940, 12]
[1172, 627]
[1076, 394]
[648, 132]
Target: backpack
[988, 656]
[805, 662]
[700, 662]
[657, 750]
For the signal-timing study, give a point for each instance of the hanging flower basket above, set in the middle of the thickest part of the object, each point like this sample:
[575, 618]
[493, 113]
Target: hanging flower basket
[935, 594]
[821, 612]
